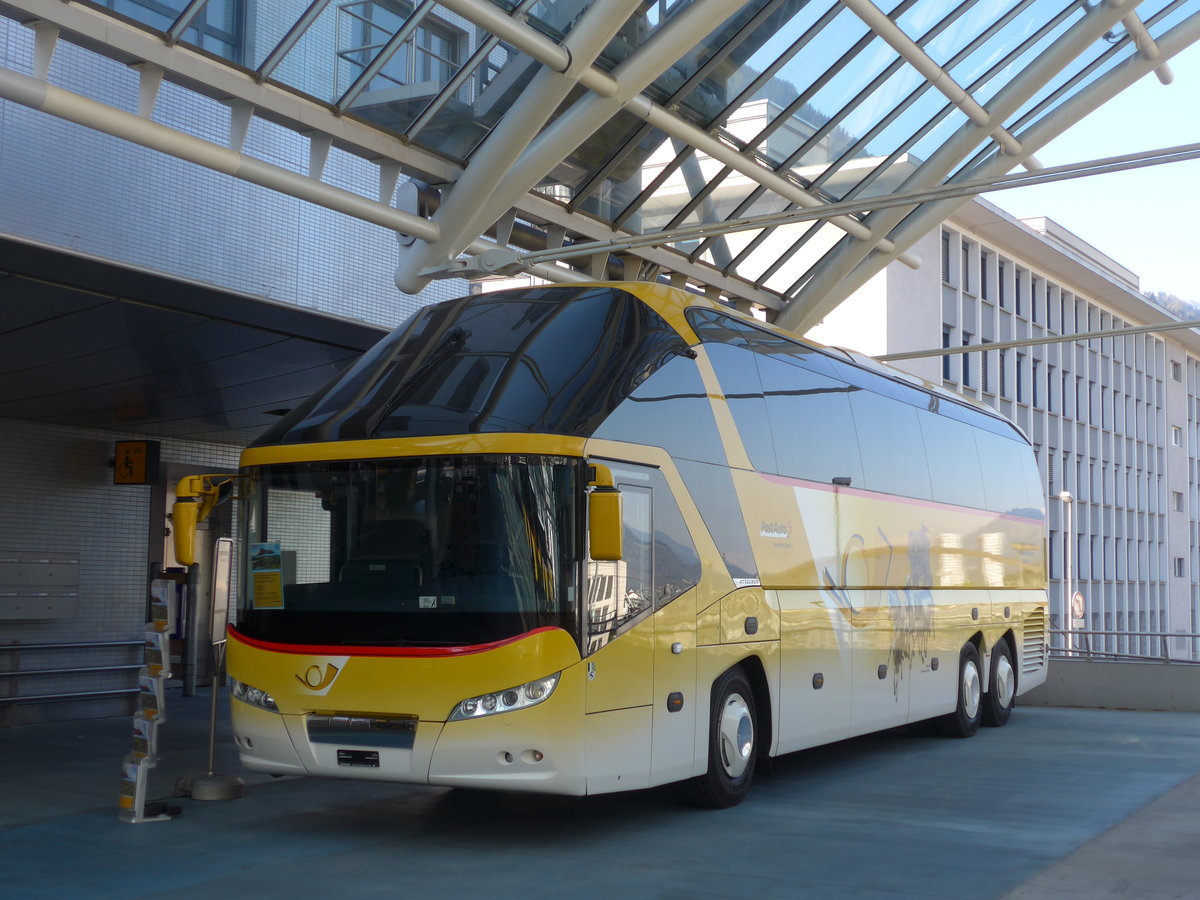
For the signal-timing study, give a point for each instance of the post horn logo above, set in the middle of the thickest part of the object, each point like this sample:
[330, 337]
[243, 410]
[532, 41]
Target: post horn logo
[316, 680]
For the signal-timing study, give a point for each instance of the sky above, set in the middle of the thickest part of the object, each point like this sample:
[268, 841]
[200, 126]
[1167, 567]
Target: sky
[1148, 220]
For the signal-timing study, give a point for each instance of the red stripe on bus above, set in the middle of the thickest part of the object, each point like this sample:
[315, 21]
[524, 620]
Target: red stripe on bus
[421, 652]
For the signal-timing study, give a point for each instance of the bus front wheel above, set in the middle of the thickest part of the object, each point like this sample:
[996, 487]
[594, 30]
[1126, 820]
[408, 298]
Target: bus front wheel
[964, 721]
[732, 734]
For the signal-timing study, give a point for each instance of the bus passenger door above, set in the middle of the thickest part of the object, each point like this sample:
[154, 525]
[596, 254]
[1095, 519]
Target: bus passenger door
[620, 660]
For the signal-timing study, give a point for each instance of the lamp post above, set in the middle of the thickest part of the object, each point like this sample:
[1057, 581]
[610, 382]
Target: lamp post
[1068, 587]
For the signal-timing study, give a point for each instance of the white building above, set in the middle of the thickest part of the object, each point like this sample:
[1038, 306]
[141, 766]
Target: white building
[1113, 420]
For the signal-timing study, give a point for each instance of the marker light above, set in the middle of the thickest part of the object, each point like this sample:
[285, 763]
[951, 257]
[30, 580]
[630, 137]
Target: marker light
[252, 695]
[508, 700]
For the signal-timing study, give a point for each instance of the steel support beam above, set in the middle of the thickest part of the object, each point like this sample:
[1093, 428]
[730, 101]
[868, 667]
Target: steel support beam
[99, 116]
[1073, 110]
[536, 44]
[489, 172]
[833, 280]
[938, 78]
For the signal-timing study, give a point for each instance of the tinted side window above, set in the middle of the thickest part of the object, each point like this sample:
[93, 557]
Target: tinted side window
[671, 410]
[893, 451]
[712, 491]
[953, 461]
[1005, 485]
[660, 561]
[811, 423]
[738, 376]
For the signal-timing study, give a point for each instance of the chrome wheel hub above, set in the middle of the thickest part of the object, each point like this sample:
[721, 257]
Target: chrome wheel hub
[970, 689]
[1005, 682]
[735, 734]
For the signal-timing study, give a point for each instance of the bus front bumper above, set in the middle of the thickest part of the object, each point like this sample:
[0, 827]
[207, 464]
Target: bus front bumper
[536, 749]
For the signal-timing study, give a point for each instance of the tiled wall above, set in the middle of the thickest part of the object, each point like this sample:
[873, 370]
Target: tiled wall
[66, 185]
[59, 497]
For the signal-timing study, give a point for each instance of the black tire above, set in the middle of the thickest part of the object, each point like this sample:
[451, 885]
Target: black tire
[1002, 687]
[732, 745]
[964, 721]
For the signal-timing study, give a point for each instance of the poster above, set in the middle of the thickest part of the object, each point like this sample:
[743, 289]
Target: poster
[266, 575]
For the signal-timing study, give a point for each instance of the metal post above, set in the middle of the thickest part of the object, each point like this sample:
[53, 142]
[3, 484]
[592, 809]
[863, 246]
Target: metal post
[1068, 570]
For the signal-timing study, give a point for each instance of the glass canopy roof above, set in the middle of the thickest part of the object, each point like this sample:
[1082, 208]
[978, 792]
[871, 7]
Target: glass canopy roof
[580, 136]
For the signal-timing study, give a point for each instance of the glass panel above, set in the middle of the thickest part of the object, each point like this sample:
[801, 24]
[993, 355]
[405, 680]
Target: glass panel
[893, 451]
[554, 361]
[713, 493]
[311, 66]
[953, 464]
[670, 410]
[986, 70]
[411, 72]
[814, 431]
[1006, 486]
[943, 47]
[626, 177]
[738, 377]
[268, 22]
[619, 591]
[660, 561]
[216, 28]
[424, 552]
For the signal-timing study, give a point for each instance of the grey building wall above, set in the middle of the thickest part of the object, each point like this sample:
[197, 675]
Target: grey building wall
[70, 187]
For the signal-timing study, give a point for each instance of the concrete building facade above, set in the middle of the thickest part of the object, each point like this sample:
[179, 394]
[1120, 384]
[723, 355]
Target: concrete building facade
[1112, 419]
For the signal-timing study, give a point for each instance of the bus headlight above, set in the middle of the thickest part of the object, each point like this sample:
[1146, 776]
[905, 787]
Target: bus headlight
[521, 697]
[254, 696]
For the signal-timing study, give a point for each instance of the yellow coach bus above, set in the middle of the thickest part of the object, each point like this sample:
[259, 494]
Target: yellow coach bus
[590, 538]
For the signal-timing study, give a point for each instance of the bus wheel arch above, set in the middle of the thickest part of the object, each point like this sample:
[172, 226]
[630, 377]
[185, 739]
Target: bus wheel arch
[1002, 683]
[968, 710]
[736, 736]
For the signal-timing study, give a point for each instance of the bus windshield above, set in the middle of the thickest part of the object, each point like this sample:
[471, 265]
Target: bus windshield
[434, 551]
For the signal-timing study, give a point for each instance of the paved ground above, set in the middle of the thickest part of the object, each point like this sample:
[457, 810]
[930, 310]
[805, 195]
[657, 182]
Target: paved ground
[1061, 803]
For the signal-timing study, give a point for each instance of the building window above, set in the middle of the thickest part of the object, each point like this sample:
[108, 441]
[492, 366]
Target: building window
[420, 67]
[1177, 501]
[1001, 294]
[1049, 389]
[1176, 371]
[946, 257]
[1020, 377]
[1033, 298]
[1003, 373]
[965, 268]
[985, 380]
[1176, 436]
[217, 28]
[1178, 566]
[946, 356]
[983, 274]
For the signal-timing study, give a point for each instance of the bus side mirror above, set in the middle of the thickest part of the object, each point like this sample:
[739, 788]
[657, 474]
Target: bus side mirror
[195, 498]
[604, 516]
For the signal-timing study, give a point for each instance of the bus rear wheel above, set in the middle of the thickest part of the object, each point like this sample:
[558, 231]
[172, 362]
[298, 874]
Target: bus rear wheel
[964, 721]
[732, 744]
[1002, 687]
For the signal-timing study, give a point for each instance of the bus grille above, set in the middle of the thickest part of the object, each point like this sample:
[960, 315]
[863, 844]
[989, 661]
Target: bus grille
[1033, 646]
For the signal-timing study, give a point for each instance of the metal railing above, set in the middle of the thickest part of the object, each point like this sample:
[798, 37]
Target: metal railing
[15, 672]
[1082, 645]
